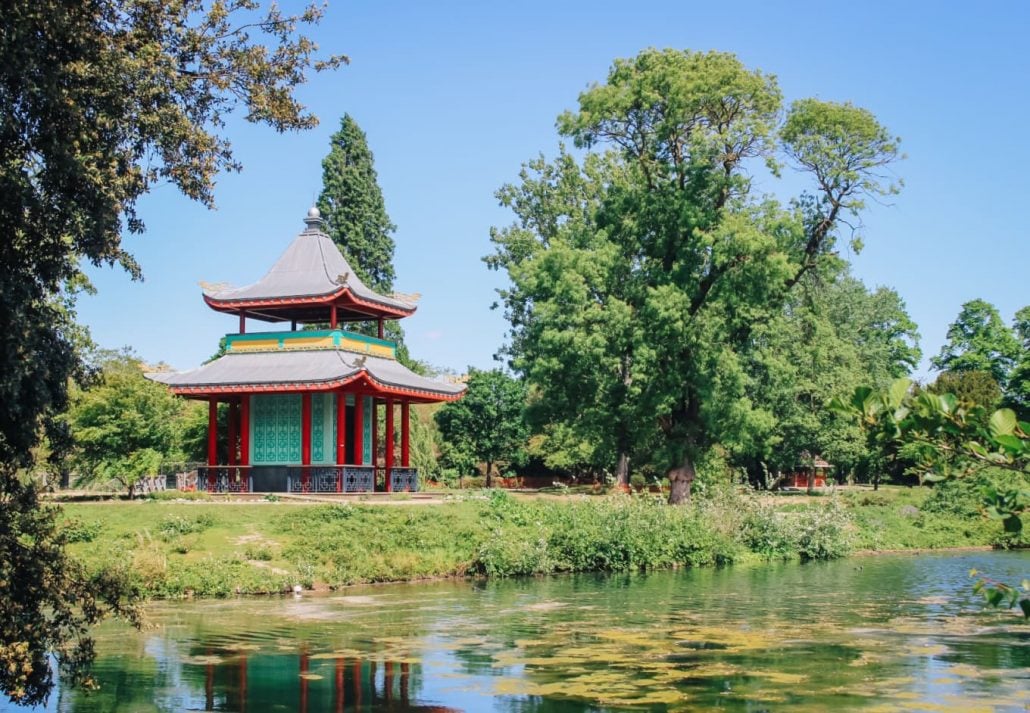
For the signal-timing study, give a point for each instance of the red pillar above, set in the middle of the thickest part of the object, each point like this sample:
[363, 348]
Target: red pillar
[245, 429]
[332, 316]
[381, 328]
[389, 443]
[233, 413]
[405, 435]
[212, 431]
[245, 437]
[341, 435]
[359, 429]
[243, 322]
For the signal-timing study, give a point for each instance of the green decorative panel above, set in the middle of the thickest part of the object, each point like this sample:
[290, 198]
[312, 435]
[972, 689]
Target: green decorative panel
[275, 429]
[318, 413]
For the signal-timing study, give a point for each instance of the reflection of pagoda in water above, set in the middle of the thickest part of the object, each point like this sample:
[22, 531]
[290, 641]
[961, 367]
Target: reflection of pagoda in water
[307, 684]
[303, 405]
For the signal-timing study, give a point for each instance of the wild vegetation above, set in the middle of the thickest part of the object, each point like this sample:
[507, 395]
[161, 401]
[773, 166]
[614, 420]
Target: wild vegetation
[177, 549]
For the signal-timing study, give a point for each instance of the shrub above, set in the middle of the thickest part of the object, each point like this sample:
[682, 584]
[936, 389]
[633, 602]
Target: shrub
[76, 530]
[173, 526]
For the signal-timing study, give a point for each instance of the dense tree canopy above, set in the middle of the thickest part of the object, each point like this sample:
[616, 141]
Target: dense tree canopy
[487, 424]
[125, 426]
[978, 340]
[352, 206]
[639, 276]
[99, 101]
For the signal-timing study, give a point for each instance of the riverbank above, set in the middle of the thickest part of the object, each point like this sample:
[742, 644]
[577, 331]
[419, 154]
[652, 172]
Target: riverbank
[201, 548]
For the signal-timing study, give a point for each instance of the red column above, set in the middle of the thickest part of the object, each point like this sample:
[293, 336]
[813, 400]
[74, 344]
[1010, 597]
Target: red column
[233, 413]
[381, 328]
[359, 429]
[332, 317]
[243, 322]
[245, 429]
[389, 443]
[245, 438]
[341, 434]
[405, 434]
[212, 431]
[305, 438]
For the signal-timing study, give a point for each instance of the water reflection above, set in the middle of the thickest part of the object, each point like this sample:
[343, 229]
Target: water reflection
[886, 633]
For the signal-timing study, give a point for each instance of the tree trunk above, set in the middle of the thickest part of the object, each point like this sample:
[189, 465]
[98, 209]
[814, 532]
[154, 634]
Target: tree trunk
[680, 480]
[489, 467]
[622, 473]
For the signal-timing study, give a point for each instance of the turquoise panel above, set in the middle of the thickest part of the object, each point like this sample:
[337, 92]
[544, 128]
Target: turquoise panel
[318, 413]
[275, 429]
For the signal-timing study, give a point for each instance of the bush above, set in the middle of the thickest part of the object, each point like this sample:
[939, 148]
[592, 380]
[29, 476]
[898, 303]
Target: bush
[75, 530]
[174, 526]
[823, 533]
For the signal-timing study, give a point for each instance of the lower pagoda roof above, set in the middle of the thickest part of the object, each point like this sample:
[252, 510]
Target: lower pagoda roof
[302, 370]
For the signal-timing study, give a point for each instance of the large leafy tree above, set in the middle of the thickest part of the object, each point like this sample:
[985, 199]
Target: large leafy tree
[1017, 395]
[487, 424]
[978, 340]
[125, 425]
[679, 260]
[832, 336]
[99, 101]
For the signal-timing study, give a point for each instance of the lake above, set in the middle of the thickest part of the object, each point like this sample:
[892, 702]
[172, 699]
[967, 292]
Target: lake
[884, 633]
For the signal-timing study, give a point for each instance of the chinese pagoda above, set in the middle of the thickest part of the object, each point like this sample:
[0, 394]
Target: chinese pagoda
[303, 405]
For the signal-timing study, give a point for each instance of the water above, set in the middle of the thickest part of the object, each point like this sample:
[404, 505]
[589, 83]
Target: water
[879, 633]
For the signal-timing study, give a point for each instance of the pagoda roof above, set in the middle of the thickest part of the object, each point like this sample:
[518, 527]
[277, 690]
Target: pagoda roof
[320, 370]
[308, 277]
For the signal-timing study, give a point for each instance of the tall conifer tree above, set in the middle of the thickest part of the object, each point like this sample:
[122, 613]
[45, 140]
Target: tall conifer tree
[352, 206]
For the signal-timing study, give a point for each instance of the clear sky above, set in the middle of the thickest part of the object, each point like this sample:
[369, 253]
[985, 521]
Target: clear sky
[455, 96]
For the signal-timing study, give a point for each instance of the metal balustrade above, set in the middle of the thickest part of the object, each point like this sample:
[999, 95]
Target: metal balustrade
[313, 479]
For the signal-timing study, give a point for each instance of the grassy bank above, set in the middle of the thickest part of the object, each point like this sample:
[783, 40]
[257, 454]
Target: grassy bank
[175, 549]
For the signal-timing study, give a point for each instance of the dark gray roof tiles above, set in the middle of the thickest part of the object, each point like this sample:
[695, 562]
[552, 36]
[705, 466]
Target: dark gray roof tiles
[312, 266]
[301, 367]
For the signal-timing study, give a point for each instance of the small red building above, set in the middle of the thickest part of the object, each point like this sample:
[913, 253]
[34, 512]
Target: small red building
[303, 405]
[818, 471]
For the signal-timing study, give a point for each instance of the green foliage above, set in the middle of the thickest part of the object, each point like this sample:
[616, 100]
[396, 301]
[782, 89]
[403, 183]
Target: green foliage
[175, 526]
[949, 439]
[972, 388]
[48, 600]
[353, 209]
[124, 426]
[487, 424]
[978, 340]
[101, 101]
[638, 276]
[1017, 394]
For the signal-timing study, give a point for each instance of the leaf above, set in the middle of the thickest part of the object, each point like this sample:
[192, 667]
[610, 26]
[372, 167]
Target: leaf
[977, 448]
[1003, 422]
[897, 392]
[1012, 443]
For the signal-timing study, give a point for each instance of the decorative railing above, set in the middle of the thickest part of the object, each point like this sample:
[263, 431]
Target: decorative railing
[151, 484]
[223, 479]
[404, 479]
[299, 479]
[330, 479]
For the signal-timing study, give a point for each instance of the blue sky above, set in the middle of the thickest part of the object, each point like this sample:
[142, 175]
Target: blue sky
[455, 96]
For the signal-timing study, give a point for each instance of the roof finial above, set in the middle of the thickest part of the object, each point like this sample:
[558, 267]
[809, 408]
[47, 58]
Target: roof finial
[314, 220]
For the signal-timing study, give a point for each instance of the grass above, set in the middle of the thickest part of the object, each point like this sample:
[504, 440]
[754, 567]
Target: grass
[218, 548]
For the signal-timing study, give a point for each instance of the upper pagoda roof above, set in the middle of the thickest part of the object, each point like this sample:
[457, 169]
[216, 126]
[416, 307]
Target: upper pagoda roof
[307, 279]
